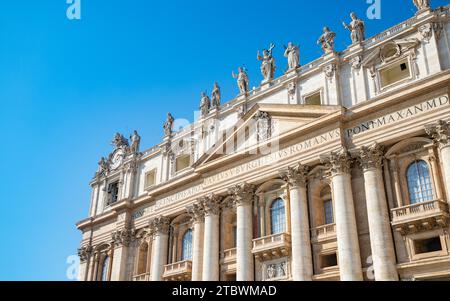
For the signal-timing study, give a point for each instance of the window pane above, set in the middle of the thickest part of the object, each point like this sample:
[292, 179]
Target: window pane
[278, 217]
[187, 246]
[328, 211]
[105, 269]
[419, 183]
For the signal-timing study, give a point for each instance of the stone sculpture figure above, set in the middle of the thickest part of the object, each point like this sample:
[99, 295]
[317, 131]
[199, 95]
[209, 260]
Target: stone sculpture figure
[422, 4]
[119, 141]
[216, 96]
[242, 80]
[357, 29]
[168, 125]
[268, 67]
[205, 104]
[135, 142]
[102, 166]
[292, 53]
[326, 40]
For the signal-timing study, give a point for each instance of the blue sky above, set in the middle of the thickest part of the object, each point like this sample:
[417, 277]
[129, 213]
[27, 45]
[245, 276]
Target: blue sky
[67, 86]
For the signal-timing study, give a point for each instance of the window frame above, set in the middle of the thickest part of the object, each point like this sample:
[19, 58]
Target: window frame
[391, 65]
[281, 211]
[310, 94]
[422, 191]
[187, 247]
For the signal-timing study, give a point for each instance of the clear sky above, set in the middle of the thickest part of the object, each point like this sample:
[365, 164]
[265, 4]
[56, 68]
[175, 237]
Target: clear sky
[67, 86]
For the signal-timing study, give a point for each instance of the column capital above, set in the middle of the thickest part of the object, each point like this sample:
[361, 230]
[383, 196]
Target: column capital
[296, 175]
[160, 225]
[211, 204]
[337, 162]
[370, 156]
[440, 133]
[242, 193]
[84, 253]
[196, 212]
[123, 237]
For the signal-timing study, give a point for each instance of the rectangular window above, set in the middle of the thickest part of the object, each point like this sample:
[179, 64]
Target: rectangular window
[328, 212]
[328, 261]
[395, 73]
[150, 178]
[314, 99]
[113, 193]
[427, 245]
[183, 162]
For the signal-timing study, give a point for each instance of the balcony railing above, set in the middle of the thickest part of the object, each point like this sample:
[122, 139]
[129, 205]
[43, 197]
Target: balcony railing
[273, 246]
[178, 271]
[228, 256]
[142, 277]
[420, 217]
[323, 233]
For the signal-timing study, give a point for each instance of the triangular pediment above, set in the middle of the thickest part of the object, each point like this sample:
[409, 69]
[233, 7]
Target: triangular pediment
[260, 126]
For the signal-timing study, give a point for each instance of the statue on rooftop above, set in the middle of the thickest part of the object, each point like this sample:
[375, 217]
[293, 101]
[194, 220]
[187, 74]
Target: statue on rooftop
[422, 4]
[357, 29]
[135, 142]
[242, 80]
[268, 67]
[292, 52]
[120, 141]
[216, 96]
[326, 40]
[168, 125]
[205, 104]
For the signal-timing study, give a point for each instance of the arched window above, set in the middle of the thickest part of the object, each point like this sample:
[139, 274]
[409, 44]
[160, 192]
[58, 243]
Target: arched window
[142, 259]
[105, 267]
[278, 217]
[187, 246]
[419, 182]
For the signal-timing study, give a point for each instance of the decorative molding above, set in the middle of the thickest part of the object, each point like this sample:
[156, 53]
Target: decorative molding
[196, 212]
[211, 204]
[337, 162]
[242, 193]
[84, 253]
[296, 175]
[330, 71]
[371, 156]
[160, 225]
[263, 125]
[123, 237]
[426, 32]
[356, 62]
[440, 133]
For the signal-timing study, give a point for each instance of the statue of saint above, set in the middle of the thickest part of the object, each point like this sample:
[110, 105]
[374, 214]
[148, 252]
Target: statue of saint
[327, 40]
[102, 166]
[168, 125]
[268, 67]
[422, 4]
[242, 80]
[292, 52]
[135, 142]
[357, 29]
[216, 96]
[205, 104]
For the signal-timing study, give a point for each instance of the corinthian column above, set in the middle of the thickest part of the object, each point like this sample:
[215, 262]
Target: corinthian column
[381, 242]
[197, 215]
[121, 241]
[160, 228]
[302, 267]
[243, 196]
[440, 132]
[211, 205]
[338, 164]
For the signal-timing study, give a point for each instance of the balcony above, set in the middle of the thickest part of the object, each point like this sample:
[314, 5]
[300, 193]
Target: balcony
[420, 217]
[228, 256]
[179, 271]
[142, 277]
[273, 246]
[323, 233]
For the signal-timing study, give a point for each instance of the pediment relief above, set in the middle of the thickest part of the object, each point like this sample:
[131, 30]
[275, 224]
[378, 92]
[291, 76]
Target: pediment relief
[390, 51]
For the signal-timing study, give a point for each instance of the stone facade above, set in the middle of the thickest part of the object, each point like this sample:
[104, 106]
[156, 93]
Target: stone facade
[337, 170]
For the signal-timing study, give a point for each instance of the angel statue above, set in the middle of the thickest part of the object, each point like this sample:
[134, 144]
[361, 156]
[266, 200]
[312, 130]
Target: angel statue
[422, 4]
[268, 67]
[216, 96]
[357, 29]
[326, 40]
[242, 80]
[292, 52]
[205, 104]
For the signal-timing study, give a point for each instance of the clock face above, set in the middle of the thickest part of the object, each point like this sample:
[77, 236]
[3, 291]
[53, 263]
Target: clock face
[117, 159]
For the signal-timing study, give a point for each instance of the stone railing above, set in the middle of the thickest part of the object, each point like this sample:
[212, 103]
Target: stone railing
[325, 232]
[178, 271]
[420, 216]
[229, 255]
[390, 32]
[142, 277]
[273, 246]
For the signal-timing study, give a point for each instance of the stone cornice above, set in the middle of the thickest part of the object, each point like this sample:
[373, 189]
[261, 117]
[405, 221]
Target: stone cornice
[440, 133]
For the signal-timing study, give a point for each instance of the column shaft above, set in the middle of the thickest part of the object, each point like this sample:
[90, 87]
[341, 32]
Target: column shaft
[245, 264]
[211, 248]
[197, 252]
[445, 159]
[159, 255]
